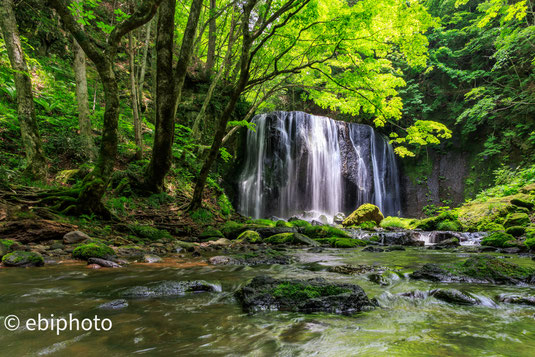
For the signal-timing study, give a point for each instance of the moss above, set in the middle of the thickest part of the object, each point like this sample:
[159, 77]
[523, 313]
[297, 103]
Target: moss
[523, 201]
[367, 225]
[281, 238]
[530, 243]
[484, 267]
[301, 291]
[92, 250]
[149, 232]
[262, 222]
[7, 243]
[337, 242]
[475, 214]
[211, 232]
[202, 216]
[224, 205]
[516, 219]
[397, 222]
[23, 258]
[448, 225]
[325, 232]
[365, 213]
[250, 236]
[490, 227]
[432, 223]
[515, 231]
[230, 226]
[499, 239]
[300, 223]
[282, 223]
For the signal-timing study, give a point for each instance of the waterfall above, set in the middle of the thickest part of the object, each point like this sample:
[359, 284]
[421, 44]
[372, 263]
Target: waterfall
[297, 162]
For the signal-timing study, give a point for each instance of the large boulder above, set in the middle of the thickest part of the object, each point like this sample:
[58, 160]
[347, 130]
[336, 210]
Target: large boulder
[477, 269]
[365, 213]
[308, 296]
[516, 219]
[261, 257]
[249, 237]
[454, 296]
[92, 250]
[23, 259]
[291, 238]
[339, 218]
[169, 289]
[75, 237]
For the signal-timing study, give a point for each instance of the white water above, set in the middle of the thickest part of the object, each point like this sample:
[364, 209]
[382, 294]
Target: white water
[296, 162]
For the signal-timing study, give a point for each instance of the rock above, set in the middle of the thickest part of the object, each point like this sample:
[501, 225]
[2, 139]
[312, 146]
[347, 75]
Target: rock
[516, 219]
[93, 266]
[34, 230]
[315, 222]
[293, 218]
[223, 260]
[151, 258]
[406, 238]
[291, 238]
[211, 232]
[265, 232]
[384, 278]
[169, 289]
[512, 250]
[339, 218]
[528, 189]
[220, 242]
[477, 269]
[452, 242]
[372, 249]
[92, 250]
[56, 245]
[365, 213]
[117, 304]
[23, 259]
[516, 231]
[130, 252]
[3, 250]
[499, 240]
[354, 269]
[75, 237]
[517, 299]
[249, 237]
[394, 247]
[323, 219]
[415, 294]
[263, 257]
[103, 263]
[308, 296]
[454, 296]
[283, 223]
[484, 249]
[523, 202]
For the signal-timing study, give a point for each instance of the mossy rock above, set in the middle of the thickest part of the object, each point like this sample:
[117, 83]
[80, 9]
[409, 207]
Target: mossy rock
[530, 243]
[281, 223]
[499, 240]
[365, 213]
[337, 242]
[516, 231]
[23, 259]
[449, 225]
[7, 244]
[367, 225]
[474, 214]
[300, 223]
[528, 189]
[291, 238]
[231, 227]
[325, 232]
[250, 237]
[211, 232]
[397, 222]
[92, 250]
[490, 227]
[433, 223]
[523, 201]
[262, 222]
[516, 219]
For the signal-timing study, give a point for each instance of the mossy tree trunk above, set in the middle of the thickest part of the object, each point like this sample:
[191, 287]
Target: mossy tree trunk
[25, 106]
[133, 95]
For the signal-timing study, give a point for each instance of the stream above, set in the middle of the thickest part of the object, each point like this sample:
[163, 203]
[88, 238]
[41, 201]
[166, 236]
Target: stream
[213, 324]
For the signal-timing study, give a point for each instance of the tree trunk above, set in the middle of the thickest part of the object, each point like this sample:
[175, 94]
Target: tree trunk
[141, 79]
[169, 88]
[25, 105]
[210, 55]
[161, 152]
[135, 103]
[84, 119]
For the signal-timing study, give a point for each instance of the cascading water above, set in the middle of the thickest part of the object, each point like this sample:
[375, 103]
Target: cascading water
[297, 162]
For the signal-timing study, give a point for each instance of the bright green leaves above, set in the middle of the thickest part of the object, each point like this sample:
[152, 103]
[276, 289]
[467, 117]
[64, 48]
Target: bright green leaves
[421, 133]
[84, 12]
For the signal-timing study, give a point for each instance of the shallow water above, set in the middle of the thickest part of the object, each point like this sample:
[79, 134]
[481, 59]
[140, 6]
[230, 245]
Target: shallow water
[212, 324]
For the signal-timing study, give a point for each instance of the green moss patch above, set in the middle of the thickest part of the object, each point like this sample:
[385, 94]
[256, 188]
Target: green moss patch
[301, 291]
[92, 250]
[149, 232]
[300, 223]
[325, 232]
[516, 219]
[397, 222]
[499, 240]
[365, 213]
[488, 267]
[23, 259]
[337, 242]
[282, 223]
[250, 236]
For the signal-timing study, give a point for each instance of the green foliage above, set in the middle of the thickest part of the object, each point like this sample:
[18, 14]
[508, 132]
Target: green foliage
[515, 231]
[262, 222]
[530, 243]
[148, 232]
[367, 225]
[7, 243]
[250, 237]
[447, 219]
[92, 250]
[324, 232]
[449, 225]
[508, 182]
[202, 216]
[300, 223]
[396, 222]
[499, 240]
[224, 205]
[211, 232]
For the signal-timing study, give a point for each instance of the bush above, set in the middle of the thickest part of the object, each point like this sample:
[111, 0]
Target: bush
[499, 240]
[92, 250]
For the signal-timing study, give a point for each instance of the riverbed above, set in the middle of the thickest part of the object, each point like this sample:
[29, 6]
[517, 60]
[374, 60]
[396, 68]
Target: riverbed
[213, 324]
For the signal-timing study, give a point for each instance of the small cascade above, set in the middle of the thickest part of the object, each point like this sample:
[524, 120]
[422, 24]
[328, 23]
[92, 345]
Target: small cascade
[297, 162]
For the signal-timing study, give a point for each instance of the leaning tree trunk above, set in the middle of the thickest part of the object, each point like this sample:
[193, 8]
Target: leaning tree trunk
[84, 119]
[135, 102]
[25, 105]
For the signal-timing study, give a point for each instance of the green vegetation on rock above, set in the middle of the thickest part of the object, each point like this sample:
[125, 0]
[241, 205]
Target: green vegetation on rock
[92, 250]
[281, 223]
[365, 213]
[515, 231]
[499, 240]
[325, 232]
[250, 237]
[300, 223]
[301, 291]
[149, 232]
[397, 222]
[516, 219]
[337, 242]
[22, 258]
[211, 232]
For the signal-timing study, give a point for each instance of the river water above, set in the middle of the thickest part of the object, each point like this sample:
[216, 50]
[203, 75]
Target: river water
[212, 324]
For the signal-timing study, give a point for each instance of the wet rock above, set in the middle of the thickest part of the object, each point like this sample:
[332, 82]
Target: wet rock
[354, 269]
[117, 304]
[93, 266]
[249, 237]
[223, 260]
[3, 250]
[384, 278]
[75, 237]
[415, 294]
[93, 250]
[406, 238]
[454, 296]
[103, 263]
[339, 218]
[512, 250]
[477, 269]
[291, 238]
[56, 246]
[151, 258]
[484, 249]
[315, 222]
[373, 249]
[130, 252]
[266, 232]
[450, 242]
[169, 289]
[323, 219]
[23, 259]
[267, 257]
[517, 299]
[308, 296]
